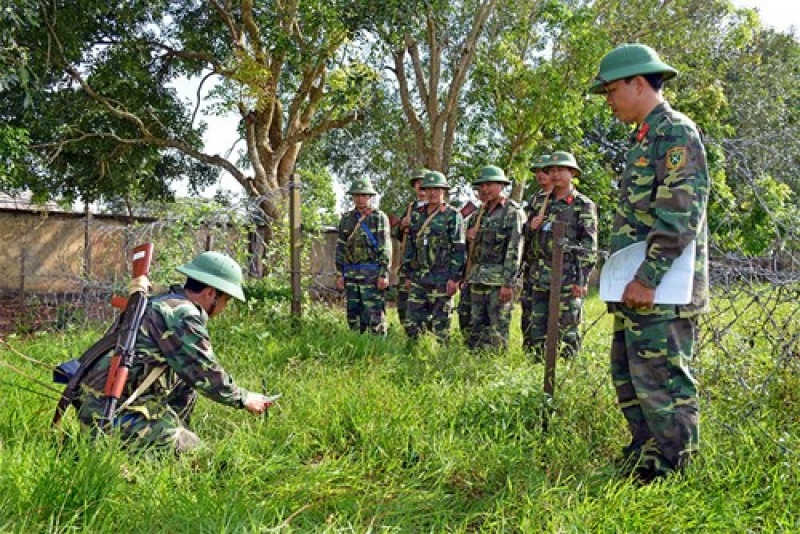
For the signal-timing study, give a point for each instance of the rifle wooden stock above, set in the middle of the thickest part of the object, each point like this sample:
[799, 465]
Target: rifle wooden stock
[471, 248]
[124, 352]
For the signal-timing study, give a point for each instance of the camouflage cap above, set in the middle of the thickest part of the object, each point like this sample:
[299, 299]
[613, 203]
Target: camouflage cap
[216, 270]
[562, 159]
[362, 186]
[434, 180]
[491, 174]
[629, 60]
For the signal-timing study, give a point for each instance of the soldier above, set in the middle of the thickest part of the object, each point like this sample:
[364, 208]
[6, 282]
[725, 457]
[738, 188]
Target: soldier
[540, 173]
[363, 255]
[174, 360]
[565, 204]
[663, 195]
[465, 298]
[401, 234]
[433, 261]
[494, 260]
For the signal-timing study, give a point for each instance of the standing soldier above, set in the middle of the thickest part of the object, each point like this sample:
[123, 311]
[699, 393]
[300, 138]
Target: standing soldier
[564, 204]
[494, 260]
[663, 195]
[433, 261]
[465, 296]
[540, 200]
[401, 234]
[363, 255]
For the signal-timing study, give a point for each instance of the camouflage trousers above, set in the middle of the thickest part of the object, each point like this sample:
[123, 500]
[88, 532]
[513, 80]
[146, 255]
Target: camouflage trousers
[465, 311]
[366, 306]
[402, 301]
[491, 319]
[429, 309]
[535, 311]
[650, 355]
[169, 431]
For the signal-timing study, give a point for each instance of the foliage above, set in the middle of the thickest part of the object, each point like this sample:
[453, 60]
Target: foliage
[375, 434]
[110, 125]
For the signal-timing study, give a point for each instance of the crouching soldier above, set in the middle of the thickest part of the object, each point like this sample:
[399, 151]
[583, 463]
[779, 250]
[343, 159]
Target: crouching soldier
[363, 255]
[174, 360]
[434, 261]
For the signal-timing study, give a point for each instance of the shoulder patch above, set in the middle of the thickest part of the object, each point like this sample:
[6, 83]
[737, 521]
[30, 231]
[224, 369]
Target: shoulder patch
[676, 157]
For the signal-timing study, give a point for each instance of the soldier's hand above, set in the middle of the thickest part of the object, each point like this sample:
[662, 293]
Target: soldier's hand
[340, 283]
[471, 233]
[579, 291]
[404, 222]
[638, 295]
[407, 283]
[506, 293]
[452, 287]
[256, 403]
[536, 222]
[382, 283]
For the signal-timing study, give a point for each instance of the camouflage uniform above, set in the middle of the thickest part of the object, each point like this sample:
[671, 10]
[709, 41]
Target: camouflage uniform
[464, 295]
[173, 337]
[663, 196]
[494, 264]
[402, 292]
[361, 262]
[579, 214]
[434, 254]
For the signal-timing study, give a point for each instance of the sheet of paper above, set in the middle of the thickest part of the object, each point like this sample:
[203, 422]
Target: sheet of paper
[620, 268]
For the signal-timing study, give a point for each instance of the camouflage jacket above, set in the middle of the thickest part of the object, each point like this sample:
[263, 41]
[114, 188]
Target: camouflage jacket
[663, 195]
[435, 254]
[416, 205]
[579, 214]
[495, 256]
[173, 335]
[358, 257]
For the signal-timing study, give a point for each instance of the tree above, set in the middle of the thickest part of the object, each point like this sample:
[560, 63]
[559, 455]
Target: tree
[291, 71]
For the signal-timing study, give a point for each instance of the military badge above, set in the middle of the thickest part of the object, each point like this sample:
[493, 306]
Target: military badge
[676, 157]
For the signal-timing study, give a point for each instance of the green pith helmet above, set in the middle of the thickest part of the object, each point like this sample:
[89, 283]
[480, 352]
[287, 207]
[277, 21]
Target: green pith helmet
[434, 180]
[629, 60]
[490, 174]
[539, 162]
[419, 174]
[216, 270]
[562, 159]
[362, 186]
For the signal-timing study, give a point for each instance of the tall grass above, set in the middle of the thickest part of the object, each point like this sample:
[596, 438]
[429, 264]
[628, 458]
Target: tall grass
[382, 435]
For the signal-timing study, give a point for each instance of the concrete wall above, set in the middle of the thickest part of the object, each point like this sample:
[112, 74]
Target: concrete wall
[45, 252]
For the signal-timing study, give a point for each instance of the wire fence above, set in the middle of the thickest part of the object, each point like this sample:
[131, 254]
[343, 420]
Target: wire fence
[755, 302]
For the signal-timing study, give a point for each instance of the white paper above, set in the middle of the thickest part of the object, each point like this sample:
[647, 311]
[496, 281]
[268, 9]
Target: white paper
[620, 268]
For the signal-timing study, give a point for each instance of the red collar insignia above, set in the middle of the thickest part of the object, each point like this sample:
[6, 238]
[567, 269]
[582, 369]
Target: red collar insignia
[569, 199]
[643, 129]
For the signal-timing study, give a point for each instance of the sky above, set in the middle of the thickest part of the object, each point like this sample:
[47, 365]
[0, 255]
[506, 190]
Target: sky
[782, 15]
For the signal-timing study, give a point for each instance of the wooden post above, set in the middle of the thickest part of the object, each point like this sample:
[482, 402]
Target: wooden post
[87, 254]
[296, 243]
[554, 314]
[22, 254]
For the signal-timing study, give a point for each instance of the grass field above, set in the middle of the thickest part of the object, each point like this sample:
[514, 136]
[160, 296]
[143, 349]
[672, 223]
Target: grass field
[377, 435]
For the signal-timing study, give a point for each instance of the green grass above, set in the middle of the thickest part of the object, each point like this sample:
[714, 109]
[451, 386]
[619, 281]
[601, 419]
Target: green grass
[377, 435]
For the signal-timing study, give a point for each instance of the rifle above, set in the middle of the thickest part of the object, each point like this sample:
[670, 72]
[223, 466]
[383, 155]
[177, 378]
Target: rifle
[128, 330]
[471, 248]
[523, 267]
